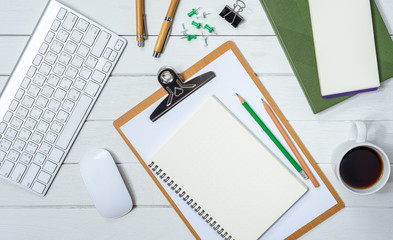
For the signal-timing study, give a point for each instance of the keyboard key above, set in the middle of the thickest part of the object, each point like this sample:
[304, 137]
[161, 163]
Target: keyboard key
[98, 76]
[10, 134]
[54, 105]
[56, 46]
[39, 158]
[101, 43]
[51, 57]
[43, 126]
[30, 175]
[50, 167]
[16, 123]
[55, 25]
[14, 104]
[48, 115]
[65, 58]
[59, 69]
[2, 155]
[5, 144]
[3, 126]
[79, 83]
[39, 79]
[6, 168]
[56, 126]
[91, 62]
[33, 90]
[62, 12]
[47, 91]
[91, 35]
[30, 123]
[42, 102]
[50, 137]
[68, 105]
[13, 155]
[53, 80]
[76, 36]
[77, 61]
[73, 123]
[56, 155]
[27, 101]
[60, 94]
[74, 94]
[7, 116]
[37, 137]
[24, 134]
[45, 147]
[45, 69]
[44, 177]
[49, 37]
[70, 21]
[19, 144]
[25, 158]
[118, 45]
[31, 148]
[83, 50]
[92, 88]
[70, 47]
[18, 172]
[37, 60]
[19, 94]
[25, 83]
[43, 48]
[36, 112]
[107, 53]
[71, 72]
[62, 35]
[82, 25]
[38, 187]
[85, 73]
[107, 67]
[113, 56]
[62, 116]
[31, 71]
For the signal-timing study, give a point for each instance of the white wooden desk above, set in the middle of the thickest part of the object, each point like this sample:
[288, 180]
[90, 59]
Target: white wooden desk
[67, 211]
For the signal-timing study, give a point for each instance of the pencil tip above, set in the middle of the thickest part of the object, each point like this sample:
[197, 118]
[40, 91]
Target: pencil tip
[240, 98]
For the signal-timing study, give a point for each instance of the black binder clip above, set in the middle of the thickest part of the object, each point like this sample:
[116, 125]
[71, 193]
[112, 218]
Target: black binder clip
[177, 89]
[232, 15]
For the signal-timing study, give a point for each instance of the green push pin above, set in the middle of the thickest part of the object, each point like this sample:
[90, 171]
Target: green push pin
[197, 25]
[210, 29]
[189, 37]
[193, 12]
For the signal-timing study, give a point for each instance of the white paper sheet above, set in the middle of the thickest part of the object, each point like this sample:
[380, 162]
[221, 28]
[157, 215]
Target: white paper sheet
[147, 138]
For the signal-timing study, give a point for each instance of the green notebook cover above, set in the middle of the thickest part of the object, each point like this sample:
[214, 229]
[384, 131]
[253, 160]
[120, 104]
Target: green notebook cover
[292, 24]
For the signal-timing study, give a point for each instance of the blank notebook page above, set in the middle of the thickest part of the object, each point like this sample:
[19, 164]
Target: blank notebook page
[228, 172]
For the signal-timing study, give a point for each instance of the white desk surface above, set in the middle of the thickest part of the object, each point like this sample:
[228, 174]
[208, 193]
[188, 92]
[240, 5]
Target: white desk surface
[67, 211]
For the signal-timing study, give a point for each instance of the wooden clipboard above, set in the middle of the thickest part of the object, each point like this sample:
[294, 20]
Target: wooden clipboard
[186, 75]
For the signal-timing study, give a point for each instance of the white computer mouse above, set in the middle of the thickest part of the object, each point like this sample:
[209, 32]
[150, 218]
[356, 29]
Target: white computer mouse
[105, 184]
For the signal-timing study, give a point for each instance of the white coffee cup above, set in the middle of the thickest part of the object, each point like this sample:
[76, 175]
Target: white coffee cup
[359, 139]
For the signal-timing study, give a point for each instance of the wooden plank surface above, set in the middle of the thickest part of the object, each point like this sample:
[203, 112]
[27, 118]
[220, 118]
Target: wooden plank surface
[67, 211]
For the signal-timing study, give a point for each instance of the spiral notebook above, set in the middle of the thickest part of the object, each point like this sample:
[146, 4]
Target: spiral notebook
[233, 75]
[224, 172]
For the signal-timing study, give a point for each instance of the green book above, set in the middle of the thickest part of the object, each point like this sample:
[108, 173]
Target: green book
[292, 24]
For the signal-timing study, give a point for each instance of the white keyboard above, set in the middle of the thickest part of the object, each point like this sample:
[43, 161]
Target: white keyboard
[50, 93]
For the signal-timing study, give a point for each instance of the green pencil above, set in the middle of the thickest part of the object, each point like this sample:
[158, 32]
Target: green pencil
[272, 137]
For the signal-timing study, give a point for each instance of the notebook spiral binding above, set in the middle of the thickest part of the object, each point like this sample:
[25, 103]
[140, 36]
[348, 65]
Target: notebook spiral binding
[194, 205]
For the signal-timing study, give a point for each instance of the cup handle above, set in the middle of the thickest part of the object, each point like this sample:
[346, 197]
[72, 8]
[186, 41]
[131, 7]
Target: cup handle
[361, 132]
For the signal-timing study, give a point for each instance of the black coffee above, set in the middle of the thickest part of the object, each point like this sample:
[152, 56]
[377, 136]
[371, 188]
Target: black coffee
[361, 167]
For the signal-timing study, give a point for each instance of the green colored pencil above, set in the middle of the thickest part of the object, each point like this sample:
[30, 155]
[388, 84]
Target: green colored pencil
[272, 137]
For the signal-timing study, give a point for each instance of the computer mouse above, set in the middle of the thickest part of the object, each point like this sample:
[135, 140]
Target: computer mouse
[105, 184]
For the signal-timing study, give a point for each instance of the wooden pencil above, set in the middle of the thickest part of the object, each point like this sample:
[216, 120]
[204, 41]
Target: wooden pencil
[290, 143]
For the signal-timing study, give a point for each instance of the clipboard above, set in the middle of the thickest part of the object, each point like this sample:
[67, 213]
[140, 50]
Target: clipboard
[152, 101]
